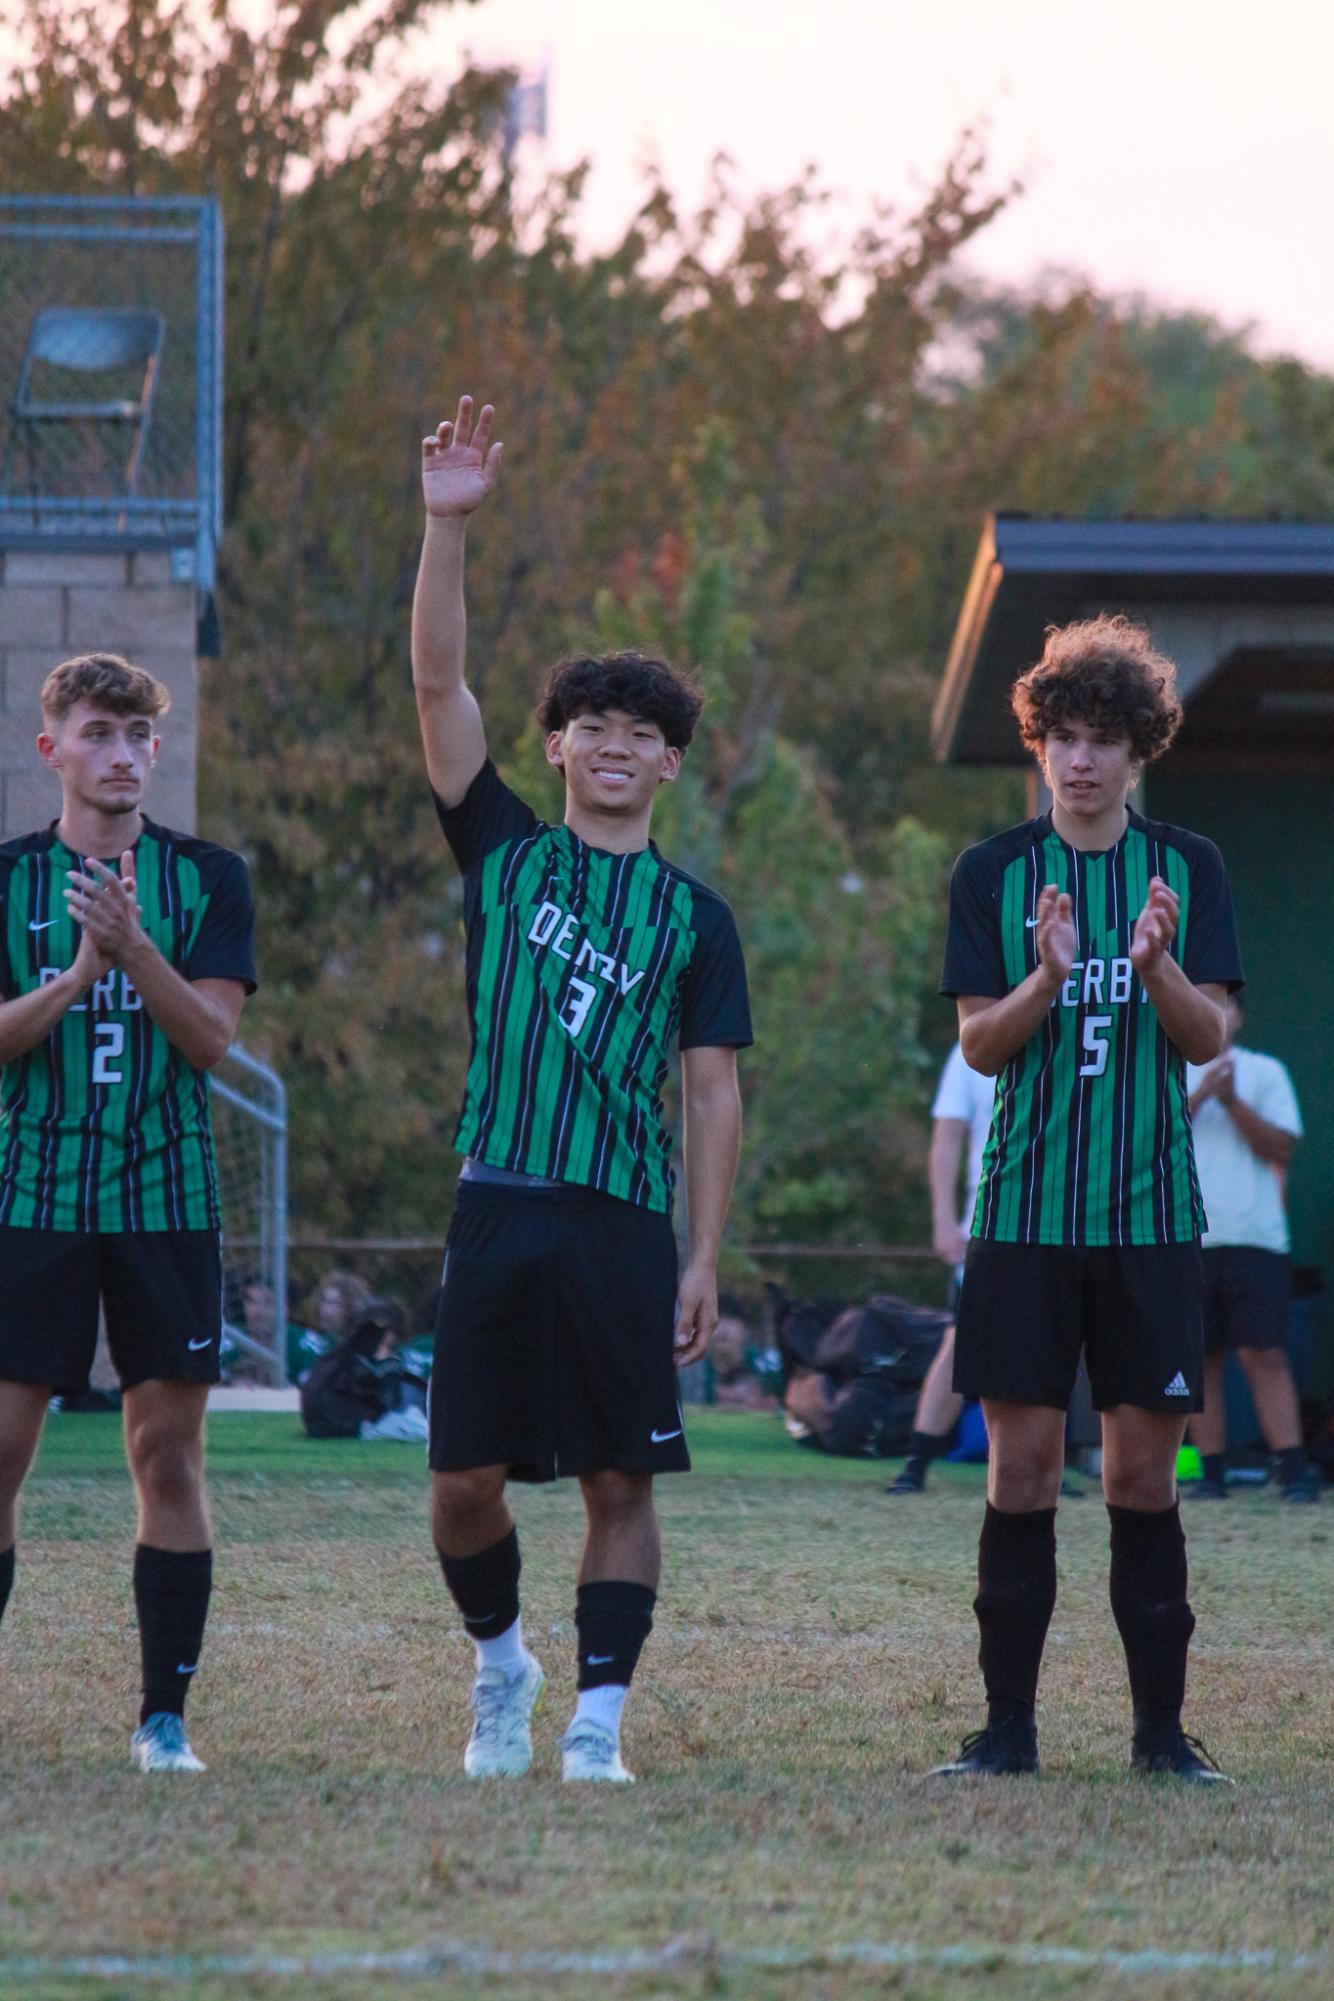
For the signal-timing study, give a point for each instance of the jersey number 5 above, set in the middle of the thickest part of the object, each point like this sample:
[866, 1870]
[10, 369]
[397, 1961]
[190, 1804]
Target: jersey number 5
[1095, 1044]
[110, 1045]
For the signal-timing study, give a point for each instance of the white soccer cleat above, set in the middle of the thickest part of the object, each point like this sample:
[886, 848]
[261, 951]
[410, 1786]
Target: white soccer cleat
[160, 1745]
[588, 1751]
[501, 1745]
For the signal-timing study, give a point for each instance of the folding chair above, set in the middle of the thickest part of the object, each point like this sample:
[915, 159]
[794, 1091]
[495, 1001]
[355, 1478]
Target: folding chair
[87, 340]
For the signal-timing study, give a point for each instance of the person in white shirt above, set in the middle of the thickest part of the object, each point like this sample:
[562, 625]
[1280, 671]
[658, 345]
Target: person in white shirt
[1246, 1123]
[961, 1115]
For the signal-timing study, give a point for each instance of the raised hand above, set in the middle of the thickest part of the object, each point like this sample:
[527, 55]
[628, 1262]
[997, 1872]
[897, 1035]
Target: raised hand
[1057, 935]
[460, 465]
[1155, 928]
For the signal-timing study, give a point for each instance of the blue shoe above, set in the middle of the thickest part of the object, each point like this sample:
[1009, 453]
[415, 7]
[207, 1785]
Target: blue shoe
[160, 1745]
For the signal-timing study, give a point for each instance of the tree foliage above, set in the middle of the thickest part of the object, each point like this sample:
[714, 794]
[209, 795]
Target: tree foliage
[771, 460]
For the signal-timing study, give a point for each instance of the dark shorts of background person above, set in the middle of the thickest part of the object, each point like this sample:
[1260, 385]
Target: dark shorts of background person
[161, 1291]
[1247, 1298]
[1026, 1310]
[553, 1336]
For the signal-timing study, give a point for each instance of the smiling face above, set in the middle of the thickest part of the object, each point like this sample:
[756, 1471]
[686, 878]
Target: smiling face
[1089, 770]
[613, 762]
[103, 759]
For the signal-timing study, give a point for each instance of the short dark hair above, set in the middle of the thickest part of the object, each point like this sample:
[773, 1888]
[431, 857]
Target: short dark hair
[1104, 672]
[640, 684]
[109, 681]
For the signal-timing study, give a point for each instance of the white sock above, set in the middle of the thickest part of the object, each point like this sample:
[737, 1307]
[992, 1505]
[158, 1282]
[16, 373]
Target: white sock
[506, 1651]
[602, 1705]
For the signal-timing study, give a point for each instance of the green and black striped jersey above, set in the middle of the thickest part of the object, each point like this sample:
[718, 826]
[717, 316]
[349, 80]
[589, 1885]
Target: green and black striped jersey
[1090, 1138]
[582, 967]
[105, 1124]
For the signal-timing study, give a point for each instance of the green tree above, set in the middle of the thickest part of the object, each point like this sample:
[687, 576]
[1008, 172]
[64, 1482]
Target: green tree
[771, 460]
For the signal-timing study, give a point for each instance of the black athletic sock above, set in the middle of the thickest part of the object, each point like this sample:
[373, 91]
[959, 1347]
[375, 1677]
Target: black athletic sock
[1290, 1465]
[1016, 1593]
[171, 1594]
[614, 1620]
[923, 1448]
[485, 1587]
[1152, 1613]
[1213, 1465]
[6, 1576]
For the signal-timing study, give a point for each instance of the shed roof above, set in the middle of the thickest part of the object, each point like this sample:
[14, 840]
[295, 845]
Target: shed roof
[1029, 574]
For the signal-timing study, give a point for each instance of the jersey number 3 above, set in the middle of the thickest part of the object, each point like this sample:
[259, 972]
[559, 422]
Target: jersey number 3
[578, 1001]
[110, 1046]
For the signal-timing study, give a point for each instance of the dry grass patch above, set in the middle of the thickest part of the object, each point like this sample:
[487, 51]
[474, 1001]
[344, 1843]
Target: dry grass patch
[814, 1652]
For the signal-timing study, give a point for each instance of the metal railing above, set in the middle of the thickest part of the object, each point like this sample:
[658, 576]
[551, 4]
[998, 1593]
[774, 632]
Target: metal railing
[109, 444]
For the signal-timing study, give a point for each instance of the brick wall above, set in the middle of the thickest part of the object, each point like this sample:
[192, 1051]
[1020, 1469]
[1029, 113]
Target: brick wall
[55, 604]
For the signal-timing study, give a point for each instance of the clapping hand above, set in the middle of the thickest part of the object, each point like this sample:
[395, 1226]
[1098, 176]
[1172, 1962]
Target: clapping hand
[1155, 928]
[106, 907]
[1057, 936]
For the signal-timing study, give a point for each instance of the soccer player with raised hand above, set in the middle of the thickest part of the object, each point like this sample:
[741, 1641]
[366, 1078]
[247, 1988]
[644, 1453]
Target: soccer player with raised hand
[561, 1311]
[126, 952]
[1090, 952]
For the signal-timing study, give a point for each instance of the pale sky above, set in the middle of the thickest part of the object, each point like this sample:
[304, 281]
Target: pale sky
[1184, 148]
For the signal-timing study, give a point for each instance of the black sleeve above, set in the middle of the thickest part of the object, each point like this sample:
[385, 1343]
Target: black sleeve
[224, 945]
[7, 986]
[487, 816]
[715, 1003]
[1212, 955]
[974, 960]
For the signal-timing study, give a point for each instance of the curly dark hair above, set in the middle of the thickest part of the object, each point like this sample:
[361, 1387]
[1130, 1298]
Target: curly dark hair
[637, 683]
[1104, 672]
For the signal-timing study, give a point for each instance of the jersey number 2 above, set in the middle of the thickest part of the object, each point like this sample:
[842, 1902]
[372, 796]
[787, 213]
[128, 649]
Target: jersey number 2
[110, 1045]
[1095, 1044]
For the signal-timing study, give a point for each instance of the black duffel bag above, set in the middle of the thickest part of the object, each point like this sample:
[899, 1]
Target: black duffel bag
[888, 1338]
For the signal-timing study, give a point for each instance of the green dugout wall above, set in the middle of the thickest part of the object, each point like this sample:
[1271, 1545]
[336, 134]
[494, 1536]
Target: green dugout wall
[1246, 610]
[1277, 838]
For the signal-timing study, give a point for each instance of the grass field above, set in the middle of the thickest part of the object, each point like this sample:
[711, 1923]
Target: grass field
[814, 1652]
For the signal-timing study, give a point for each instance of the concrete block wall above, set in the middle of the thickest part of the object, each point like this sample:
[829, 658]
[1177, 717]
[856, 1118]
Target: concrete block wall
[57, 603]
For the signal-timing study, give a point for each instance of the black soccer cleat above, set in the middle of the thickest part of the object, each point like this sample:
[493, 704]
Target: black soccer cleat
[1002, 1749]
[1172, 1754]
[912, 1480]
[1304, 1490]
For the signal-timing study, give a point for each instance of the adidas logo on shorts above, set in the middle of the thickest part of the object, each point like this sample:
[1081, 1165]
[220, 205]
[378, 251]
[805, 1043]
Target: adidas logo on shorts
[1178, 1387]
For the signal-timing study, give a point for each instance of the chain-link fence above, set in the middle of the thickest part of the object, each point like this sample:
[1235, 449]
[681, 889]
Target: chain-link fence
[110, 371]
[249, 1108]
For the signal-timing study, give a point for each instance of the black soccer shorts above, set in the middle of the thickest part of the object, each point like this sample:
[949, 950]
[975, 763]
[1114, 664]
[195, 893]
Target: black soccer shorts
[553, 1336]
[1027, 1310]
[161, 1290]
[1247, 1298]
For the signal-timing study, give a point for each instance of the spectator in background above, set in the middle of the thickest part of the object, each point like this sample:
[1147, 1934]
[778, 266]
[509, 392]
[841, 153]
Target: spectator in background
[961, 1121]
[1247, 1123]
[367, 1387]
[338, 1300]
[736, 1385]
[258, 1319]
